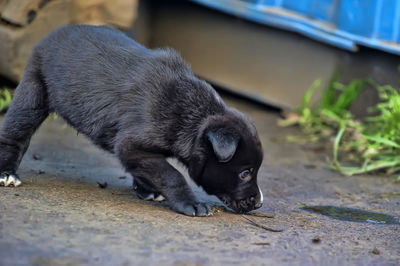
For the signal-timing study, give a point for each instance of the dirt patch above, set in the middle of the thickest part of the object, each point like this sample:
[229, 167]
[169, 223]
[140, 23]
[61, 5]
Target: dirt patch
[60, 215]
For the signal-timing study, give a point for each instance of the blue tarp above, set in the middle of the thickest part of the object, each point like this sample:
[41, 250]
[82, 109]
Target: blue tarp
[342, 23]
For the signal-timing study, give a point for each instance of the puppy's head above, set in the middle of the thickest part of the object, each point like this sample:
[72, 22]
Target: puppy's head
[227, 160]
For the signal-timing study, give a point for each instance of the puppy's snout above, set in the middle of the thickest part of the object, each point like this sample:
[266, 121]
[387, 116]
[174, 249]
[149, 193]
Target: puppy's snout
[258, 203]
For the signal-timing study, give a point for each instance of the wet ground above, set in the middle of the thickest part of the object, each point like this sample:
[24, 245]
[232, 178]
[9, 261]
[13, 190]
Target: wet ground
[60, 215]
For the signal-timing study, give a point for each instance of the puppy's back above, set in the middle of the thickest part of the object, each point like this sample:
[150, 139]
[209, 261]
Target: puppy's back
[101, 82]
[87, 70]
[81, 53]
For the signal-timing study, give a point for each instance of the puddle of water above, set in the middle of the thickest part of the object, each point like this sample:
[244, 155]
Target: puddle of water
[353, 215]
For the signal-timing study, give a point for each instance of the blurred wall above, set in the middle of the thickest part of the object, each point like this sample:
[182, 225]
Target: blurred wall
[25, 22]
[261, 62]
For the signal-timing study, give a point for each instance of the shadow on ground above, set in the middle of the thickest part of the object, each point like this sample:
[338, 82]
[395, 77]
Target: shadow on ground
[60, 216]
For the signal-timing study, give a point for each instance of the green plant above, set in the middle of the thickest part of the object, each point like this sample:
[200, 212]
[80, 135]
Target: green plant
[377, 144]
[53, 116]
[330, 112]
[370, 145]
[5, 99]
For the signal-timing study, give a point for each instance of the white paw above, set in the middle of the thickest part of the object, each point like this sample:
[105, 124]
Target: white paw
[152, 197]
[9, 180]
[149, 196]
[159, 198]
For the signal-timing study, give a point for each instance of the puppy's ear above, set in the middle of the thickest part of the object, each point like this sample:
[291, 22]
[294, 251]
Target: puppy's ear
[224, 142]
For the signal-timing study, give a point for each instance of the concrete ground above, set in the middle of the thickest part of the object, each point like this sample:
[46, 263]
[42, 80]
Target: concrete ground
[60, 216]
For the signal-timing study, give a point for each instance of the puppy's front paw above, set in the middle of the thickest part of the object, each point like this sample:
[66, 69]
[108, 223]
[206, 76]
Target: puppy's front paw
[192, 208]
[9, 180]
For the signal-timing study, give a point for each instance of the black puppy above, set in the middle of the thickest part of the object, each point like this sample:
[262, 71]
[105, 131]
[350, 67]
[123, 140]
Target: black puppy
[142, 105]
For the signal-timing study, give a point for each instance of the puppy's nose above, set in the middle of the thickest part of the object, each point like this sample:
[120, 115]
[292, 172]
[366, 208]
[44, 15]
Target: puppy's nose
[258, 205]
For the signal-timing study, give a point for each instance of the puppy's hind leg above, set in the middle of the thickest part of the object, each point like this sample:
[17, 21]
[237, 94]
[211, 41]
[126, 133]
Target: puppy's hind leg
[27, 111]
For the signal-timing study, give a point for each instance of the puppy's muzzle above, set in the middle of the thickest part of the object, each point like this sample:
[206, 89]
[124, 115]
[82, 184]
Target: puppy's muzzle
[244, 205]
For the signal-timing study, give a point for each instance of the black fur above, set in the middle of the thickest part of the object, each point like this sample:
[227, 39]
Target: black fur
[142, 105]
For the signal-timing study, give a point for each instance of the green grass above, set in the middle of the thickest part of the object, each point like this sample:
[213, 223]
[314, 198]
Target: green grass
[5, 99]
[53, 116]
[377, 144]
[365, 146]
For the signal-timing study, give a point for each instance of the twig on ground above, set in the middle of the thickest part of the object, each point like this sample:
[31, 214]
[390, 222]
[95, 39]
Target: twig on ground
[262, 214]
[261, 226]
[262, 244]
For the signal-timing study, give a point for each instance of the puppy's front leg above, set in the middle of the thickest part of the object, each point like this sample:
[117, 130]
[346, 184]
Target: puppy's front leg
[152, 171]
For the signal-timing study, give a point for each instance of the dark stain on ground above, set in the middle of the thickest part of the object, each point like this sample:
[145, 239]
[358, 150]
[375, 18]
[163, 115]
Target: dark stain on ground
[352, 215]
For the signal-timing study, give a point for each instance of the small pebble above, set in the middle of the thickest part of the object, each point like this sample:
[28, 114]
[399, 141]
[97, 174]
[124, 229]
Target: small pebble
[102, 185]
[316, 240]
[376, 251]
[37, 157]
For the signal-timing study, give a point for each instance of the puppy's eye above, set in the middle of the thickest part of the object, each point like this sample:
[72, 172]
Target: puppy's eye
[245, 175]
